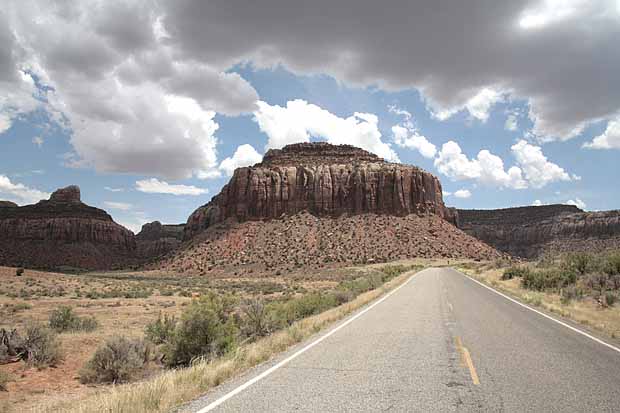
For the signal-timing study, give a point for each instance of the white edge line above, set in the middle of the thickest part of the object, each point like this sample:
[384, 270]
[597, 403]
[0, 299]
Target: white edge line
[267, 372]
[576, 330]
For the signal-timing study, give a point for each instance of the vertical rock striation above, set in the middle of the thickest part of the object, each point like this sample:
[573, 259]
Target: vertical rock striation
[324, 180]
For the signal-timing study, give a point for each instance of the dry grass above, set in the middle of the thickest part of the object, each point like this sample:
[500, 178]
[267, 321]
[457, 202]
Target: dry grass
[176, 387]
[586, 311]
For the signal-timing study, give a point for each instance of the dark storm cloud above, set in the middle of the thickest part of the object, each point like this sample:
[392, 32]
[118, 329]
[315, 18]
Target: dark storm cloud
[564, 56]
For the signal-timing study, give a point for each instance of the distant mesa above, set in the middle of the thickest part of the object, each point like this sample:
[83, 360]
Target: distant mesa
[7, 204]
[63, 232]
[535, 231]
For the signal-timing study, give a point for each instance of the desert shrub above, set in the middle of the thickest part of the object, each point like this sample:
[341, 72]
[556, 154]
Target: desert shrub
[547, 279]
[40, 346]
[610, 299]
[596, 281]
[612, 264]
[5, 378]
[579, 261]
[19, 272]
[257, 320]
[514, 272]
[392, 271]
[206, 329]
[569, 293]
[161, 330]
[117, 360]
[17, 307]
[64, 319]
[343, 296]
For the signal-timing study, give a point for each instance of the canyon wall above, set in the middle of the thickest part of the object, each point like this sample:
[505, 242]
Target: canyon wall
[535, 231]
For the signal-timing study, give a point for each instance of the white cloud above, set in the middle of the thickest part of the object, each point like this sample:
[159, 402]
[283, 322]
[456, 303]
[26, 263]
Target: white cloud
[532, 168]
[609, 139]
[478, 106]
[300, 120]
[122, 206]
[462, 193]
[107, 188]
[406, 135]
[536, 168]
[155, 186]
[577, 202]
[245, 155]
[38, 141]
[537, 202]
[19, 193]
[446, 193]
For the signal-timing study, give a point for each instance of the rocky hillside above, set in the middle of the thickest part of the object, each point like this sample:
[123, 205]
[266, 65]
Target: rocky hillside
[534, 231]
[156, 239]
[324, 180]
[314, 204]
[313, 242]
[63, 232]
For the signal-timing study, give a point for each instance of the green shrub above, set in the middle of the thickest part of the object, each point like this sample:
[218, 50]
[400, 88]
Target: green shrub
[117, 360]
[161, 330]
[206, 329]
[514, 272]
[579, 261]
[547, 279]
[569, 293]
[64, 319]
[257, 320]
[610, 298]
[41, 347]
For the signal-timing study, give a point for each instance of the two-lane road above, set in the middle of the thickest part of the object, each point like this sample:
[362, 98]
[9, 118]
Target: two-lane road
[441, 342]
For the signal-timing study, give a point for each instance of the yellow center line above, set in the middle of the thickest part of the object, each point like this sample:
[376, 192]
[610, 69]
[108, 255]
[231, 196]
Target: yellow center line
[466, 360]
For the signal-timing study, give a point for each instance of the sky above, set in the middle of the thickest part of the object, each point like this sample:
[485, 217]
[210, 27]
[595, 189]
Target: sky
[149, 106]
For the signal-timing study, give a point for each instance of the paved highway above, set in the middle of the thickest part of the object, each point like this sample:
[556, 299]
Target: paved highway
[441, 342]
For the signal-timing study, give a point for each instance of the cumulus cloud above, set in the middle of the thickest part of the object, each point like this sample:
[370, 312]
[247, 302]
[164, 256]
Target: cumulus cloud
[406, 135]
[538, 202]
[577, 202]
[38, 141]
[107, 188]
[300, 120]
[533, 169]
[155, 186]
[131, 103]
[462, 193]
[537, 169]
[19, 193]
[121, 206]
[518, 48]
[245, 155]
[609, 139]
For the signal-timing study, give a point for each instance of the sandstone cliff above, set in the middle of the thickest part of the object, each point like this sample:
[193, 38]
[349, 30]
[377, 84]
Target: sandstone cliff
[156, 239]
[313, 205]
[63, 231]
[324, 180]
[535, 231]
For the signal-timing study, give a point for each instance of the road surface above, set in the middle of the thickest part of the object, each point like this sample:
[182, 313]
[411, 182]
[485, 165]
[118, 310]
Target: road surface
[439, 343]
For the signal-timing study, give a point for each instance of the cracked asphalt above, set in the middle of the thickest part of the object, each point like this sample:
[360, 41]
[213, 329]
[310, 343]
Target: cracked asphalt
[419, 351]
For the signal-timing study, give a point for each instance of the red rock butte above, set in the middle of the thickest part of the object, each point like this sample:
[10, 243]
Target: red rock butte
[324, 180]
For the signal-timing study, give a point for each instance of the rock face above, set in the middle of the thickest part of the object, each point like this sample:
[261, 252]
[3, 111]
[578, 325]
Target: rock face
[7, 204]
[324, 180]
[535, 231]
[156, 239]
[63, 232]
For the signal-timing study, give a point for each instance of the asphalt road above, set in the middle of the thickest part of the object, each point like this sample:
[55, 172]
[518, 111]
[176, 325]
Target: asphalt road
[440, 343]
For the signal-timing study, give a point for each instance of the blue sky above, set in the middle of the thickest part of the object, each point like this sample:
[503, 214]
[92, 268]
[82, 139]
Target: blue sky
[150, 125]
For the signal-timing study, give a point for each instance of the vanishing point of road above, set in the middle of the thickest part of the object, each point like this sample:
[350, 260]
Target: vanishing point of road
[441, 342]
